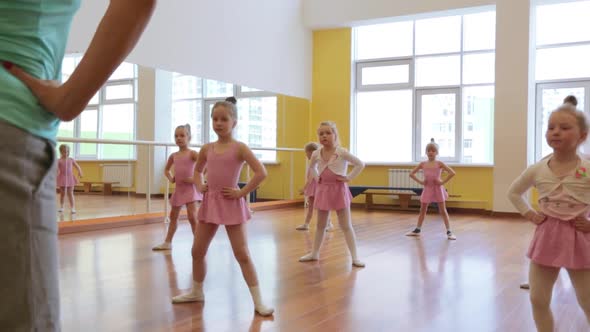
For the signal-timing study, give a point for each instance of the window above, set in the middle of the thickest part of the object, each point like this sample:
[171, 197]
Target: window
[479, 31]
[565, 62]
[88, 125]
[478, 68]
[66, 129]
[244, 89]
[115, 123]
[257, 125]
[370, 39]
[192, 101]
[387, 117]
[187, 105]
[438, 70]
[438, 106]
[384, 74]
[549, 97]
[110, 114]
[218, 89]
[422, 79]
[479, 103]
[561, 64]
[438, 35]
[562, 23]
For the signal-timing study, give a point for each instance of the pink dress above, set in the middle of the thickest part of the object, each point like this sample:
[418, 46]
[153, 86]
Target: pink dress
[432, 192]
[331, 194]
[223, 170]
[184, 193]
[66, 178]
[556, 242]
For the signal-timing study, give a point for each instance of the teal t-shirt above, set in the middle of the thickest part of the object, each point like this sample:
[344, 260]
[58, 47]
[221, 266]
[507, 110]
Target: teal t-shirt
[33, 35]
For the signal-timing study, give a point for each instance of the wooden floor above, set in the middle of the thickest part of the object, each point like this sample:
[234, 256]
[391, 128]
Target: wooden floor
[90, 206]
[112, 281]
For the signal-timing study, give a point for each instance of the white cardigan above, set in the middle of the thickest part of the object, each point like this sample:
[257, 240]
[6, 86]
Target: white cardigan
[541, 177]
[338, 165]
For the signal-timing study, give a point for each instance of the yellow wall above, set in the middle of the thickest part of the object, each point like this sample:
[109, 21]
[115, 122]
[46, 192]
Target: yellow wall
[292, 128]
[92, 171]
[297, 118]
[331, 96]
[471, 183]
[331, 81]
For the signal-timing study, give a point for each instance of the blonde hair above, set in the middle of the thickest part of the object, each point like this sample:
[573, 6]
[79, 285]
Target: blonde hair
[577, 114]
[231, 107]
[311, 146]
[187, 128]
[332, 126]
[63, 147]
[432, 145]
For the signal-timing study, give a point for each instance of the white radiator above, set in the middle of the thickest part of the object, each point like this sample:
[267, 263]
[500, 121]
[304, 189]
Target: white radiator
[400, 178]
[122, 173]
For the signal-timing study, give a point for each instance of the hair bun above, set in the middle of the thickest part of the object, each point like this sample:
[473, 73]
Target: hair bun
[432, 140]
[571, 99]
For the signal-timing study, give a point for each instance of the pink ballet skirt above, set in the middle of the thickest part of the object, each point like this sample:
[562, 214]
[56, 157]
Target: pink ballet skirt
[331, 194]
[223, 170]
[432, 192]
[184, 193]
[557, 243]
[310, 188]
[66, 177]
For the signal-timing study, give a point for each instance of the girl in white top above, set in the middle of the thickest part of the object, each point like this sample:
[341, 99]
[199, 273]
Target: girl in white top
[329, 165]
[572, 100]
[561, 237]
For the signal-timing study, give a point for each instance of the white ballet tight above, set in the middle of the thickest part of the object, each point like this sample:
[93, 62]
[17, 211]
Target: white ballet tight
[345, 223]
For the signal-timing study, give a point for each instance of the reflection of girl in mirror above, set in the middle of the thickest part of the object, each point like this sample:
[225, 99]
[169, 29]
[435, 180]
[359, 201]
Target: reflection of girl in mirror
[185, 192]
[65, 177]
[309, 190]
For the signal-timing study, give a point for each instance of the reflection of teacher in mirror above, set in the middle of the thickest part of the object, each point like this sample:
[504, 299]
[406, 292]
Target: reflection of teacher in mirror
[33, 37]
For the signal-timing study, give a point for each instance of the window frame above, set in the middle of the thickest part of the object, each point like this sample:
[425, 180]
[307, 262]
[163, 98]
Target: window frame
[417, 146]
[360, 65]
[539, 131]
[78, 133]
[238, 94]
[102, 101]
[555, 83]
[458, 119]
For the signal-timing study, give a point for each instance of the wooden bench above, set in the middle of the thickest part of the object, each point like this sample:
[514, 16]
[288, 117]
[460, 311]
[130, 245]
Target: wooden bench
[107, 187]
[404, 197]
[358, 190]
[253, 196]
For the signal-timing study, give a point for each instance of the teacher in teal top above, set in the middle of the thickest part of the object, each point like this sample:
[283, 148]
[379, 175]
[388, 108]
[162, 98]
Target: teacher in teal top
[33, 35]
